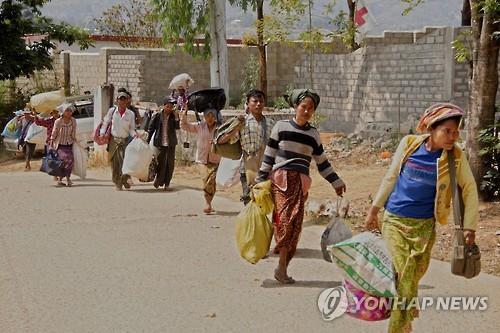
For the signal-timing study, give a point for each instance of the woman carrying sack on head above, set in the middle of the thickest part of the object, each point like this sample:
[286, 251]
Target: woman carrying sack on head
[287, 158]
[63, 138]
[416, 193]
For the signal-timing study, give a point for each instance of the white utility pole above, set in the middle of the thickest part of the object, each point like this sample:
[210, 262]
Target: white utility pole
[218, 63]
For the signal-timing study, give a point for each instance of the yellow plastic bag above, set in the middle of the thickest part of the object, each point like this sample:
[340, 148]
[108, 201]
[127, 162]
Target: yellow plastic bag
[261, 194]
[254, 232]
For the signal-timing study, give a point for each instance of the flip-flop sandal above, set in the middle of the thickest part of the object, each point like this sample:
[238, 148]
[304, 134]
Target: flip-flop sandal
[60, 184]
[287, 280]
[70, 184]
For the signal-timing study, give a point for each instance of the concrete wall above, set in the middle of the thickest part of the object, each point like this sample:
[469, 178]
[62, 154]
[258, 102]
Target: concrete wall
[383, 86]
[390, 81]
[87, 70]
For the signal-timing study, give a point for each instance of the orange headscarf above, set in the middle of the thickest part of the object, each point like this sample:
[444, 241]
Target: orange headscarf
[437, 112]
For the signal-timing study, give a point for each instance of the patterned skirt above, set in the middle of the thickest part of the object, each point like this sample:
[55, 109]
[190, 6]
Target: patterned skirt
[288, 213]
[65, 153]
[410, 242]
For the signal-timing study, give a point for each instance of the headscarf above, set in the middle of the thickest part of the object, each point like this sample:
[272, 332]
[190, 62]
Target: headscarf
[63, 107]
[298, 95]
[437, 112]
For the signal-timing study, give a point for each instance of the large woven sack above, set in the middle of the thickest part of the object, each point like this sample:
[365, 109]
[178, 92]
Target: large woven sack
[365, 261]
[48, 101]
[181, 81]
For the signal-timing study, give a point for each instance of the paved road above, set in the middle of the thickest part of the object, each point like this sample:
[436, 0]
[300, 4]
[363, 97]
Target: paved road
[91, 259]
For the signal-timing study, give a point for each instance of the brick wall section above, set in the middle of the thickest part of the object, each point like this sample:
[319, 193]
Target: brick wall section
[394, 77]
[88, 70]
[384, 85]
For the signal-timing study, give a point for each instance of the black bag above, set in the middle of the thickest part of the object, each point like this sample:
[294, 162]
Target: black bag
[51, 164]
[212, 98]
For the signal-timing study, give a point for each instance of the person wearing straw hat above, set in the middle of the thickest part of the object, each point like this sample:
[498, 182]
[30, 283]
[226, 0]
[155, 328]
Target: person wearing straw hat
[416, 193]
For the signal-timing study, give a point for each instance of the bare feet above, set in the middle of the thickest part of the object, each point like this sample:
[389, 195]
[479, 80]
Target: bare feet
[208, 210]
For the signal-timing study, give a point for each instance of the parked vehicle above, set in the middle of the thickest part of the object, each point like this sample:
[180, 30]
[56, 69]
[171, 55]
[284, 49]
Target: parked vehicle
[84, 116]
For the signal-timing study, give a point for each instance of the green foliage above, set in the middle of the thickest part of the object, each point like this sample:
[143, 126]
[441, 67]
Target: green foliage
[250, 74]
[463, 46]
[282, 101]
[12, 98]
[411, 5]
[317, 119]
[132, 18]
[344, 27]
[187, 20]
[20, 18]
[489, 140]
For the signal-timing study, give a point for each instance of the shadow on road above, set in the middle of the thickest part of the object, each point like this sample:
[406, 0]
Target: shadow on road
[308, 253]
[268, 283]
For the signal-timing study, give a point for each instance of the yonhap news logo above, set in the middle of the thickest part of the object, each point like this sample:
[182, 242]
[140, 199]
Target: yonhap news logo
[332, 303]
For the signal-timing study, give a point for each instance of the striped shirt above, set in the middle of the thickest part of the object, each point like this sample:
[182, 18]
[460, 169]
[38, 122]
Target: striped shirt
[66, 134]
[292, 147]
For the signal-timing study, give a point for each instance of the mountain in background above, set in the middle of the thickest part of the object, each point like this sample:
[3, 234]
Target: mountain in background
[385, 13]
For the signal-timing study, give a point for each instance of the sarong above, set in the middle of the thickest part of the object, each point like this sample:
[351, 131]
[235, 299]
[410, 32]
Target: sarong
[116, 154]
[65, 153]
[288, 213]
[410, 242]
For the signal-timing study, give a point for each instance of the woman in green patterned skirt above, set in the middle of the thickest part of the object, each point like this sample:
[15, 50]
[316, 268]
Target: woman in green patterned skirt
[416, 193]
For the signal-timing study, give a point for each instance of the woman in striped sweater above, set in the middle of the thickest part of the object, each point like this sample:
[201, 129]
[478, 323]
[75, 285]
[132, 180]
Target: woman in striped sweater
[287, 158]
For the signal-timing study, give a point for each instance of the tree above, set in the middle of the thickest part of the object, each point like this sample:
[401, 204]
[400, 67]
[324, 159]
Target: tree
[183, 22]
[345, 23]
[484, 85]
[20, 18]
[133, 18]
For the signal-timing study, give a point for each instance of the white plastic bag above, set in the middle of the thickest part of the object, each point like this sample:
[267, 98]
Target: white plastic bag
[183, 81]
[336, 231]
[155, 150]
[80, 161]
[366, 263]
[137, 158]
[228, 173]
[33, 134]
